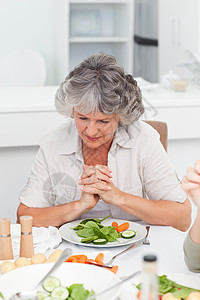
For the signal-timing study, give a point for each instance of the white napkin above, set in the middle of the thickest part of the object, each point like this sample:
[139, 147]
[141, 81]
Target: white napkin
[43, 238]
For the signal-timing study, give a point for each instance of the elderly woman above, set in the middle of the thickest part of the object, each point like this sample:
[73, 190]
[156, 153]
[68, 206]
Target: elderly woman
[103, 160]
[191, 185]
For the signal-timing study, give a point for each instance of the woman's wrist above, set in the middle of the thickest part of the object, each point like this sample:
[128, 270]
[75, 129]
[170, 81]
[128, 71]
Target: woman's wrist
[72, 211]
[86, 202]
[120, 200]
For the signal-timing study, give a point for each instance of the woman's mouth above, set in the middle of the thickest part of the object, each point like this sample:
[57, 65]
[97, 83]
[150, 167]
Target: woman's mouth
[92, 138]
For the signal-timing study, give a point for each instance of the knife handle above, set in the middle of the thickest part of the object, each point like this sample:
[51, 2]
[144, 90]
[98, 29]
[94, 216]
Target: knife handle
[132, 246]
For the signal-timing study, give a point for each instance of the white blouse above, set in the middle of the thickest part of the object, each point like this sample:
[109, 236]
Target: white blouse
[140, 166]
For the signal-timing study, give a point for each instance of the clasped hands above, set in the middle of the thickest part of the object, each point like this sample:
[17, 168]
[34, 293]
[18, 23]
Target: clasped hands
[97, 180]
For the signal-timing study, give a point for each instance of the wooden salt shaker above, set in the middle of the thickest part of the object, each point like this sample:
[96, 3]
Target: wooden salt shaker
[26, 241]
[6, 251]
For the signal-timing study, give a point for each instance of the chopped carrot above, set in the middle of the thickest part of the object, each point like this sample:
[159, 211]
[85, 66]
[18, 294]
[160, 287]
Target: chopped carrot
[83, 259]
[90, 259]
[99, 258]
[123, 226]
[77, 258]
[139, 294]
[114, 269]
[74, 260]
[115, 225]
[80, 256]
[71, 259]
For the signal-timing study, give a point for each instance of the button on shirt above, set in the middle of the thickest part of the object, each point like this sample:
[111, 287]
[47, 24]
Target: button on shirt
[140, 166]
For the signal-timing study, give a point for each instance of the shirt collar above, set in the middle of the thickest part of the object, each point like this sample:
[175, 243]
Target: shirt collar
[122, 137]
[73, 142]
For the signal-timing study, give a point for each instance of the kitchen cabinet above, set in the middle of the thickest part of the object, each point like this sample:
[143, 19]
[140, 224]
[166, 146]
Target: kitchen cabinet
[33, 108]
[180, 110]
[179, 29]
[86, 27]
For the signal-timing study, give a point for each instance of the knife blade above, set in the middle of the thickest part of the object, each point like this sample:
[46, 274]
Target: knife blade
[98, 265]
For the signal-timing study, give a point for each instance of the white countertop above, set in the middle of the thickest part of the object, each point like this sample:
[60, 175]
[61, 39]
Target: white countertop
[28, 107]
[27, 99]
[166, 97]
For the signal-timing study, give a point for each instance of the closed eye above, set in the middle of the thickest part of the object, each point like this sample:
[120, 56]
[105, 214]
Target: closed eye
[82, 118]
[104, 122]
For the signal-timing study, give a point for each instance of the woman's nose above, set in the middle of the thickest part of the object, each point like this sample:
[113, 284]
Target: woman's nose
[92, 129]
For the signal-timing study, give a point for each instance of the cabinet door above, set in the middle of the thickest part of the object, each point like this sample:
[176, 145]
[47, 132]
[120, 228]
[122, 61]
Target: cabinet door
[178, 31]
[101, 26]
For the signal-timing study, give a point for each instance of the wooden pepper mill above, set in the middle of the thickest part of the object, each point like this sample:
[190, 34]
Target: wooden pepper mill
[6, 251]
[26, 241]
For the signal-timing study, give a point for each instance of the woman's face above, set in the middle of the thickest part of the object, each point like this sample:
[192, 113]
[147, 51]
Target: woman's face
[96, 130]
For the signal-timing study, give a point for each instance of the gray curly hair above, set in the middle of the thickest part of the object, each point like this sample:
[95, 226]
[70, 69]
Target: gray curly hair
[99, 84]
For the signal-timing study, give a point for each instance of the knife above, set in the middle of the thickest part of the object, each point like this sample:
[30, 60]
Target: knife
[116, 285]
[98, 265]
[136, 244]
[109, 264]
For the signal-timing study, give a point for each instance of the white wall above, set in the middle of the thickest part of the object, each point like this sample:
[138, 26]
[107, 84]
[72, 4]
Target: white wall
[15, 164]
[177, 32]
[29, 24]
[183, 153]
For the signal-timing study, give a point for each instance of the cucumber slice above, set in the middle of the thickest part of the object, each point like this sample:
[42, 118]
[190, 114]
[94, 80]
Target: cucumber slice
[42, 295]
[60, 292]
[100, 242]
[50, 283]
[128, 234]
[89, 239]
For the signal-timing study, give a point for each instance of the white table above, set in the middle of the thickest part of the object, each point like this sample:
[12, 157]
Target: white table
[166, 243]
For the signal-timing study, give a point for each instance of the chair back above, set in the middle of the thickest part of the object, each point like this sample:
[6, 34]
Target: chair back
[162, 129]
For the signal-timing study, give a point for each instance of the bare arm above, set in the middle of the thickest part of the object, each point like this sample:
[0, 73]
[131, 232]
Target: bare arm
[58, 215]
[158, 212]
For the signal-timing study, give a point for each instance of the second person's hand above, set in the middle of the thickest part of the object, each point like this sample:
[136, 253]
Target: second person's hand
[191, 183]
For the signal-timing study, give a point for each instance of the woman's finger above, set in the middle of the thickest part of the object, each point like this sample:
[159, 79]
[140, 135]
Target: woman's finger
[189, 186]
[95, 178]
[193, 177]
[92, 170]
[102, 168]
[88, 189]
[190, 170]
[95, 187]
[184, 179]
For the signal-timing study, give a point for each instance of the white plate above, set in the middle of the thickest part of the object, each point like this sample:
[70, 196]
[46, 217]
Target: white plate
[70, 235]
[91, 277]
[183, 279]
